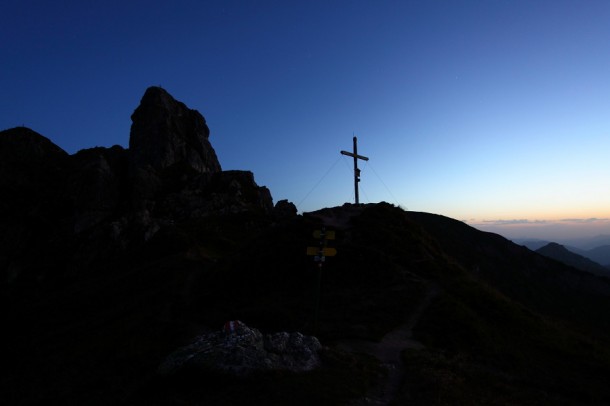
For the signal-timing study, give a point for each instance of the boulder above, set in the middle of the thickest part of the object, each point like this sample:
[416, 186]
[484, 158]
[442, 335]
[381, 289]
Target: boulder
[241, 350]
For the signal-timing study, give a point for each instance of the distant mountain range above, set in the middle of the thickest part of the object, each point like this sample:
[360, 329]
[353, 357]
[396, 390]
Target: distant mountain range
[599, 254]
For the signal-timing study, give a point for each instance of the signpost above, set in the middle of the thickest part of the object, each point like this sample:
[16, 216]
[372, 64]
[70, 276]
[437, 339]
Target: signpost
[356, 170]
[319, 254]
[326, 234]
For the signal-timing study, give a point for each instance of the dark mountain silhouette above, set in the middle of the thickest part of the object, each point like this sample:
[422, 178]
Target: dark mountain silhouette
[113, 259]
[562, 254]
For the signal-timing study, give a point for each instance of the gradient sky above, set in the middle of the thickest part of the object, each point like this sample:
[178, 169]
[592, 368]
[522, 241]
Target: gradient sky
[493, 112]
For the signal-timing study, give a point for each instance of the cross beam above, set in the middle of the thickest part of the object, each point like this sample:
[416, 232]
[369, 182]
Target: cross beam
[356, 170]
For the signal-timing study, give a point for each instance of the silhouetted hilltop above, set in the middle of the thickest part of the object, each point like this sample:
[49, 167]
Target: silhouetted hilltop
[31, 167]
[110, 265]
[21, 145]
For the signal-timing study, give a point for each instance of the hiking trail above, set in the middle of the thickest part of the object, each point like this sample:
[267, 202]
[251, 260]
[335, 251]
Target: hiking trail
[388, 352]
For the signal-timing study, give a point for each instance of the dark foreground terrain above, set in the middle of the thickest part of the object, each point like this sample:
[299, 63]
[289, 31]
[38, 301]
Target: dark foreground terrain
[505, 326]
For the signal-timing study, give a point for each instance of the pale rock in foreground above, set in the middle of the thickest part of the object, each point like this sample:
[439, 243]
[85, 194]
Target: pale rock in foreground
[241, 350]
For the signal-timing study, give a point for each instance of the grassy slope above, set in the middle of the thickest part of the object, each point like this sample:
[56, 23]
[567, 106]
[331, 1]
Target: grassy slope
[510, 328]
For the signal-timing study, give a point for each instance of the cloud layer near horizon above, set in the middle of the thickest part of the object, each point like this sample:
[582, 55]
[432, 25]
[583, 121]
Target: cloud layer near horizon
[545, 229]
[503, 222]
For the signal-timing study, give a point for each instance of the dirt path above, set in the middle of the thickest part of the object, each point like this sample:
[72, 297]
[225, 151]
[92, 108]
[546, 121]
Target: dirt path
[388, 352]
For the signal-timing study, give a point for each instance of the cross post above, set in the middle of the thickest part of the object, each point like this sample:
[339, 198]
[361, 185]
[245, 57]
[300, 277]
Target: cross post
[356, 170]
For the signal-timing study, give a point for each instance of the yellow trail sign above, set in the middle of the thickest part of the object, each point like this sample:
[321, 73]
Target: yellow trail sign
[327, 235]
[326, 251]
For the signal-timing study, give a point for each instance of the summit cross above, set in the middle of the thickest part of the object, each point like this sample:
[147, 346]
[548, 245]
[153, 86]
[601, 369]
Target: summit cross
[356, 170]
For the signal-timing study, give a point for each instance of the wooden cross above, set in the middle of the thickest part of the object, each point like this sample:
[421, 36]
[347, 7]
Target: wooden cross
[356, 170]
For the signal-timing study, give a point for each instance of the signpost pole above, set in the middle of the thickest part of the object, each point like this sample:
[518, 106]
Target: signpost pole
[320, 253]
[318, 294]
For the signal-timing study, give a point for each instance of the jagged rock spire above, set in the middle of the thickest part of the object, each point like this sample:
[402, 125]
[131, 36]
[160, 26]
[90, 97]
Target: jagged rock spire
[165, 132]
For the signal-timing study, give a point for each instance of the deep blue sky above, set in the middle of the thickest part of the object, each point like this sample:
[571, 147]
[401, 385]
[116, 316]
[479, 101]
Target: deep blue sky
[478, 110]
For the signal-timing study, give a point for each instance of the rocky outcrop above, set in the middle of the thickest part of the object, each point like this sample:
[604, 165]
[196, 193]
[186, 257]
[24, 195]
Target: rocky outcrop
[174, 170]
[168, 146]
[165, 132]
[284, 209]
[241, 350]
[226, 192]
[62, 211]
[97, 185]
